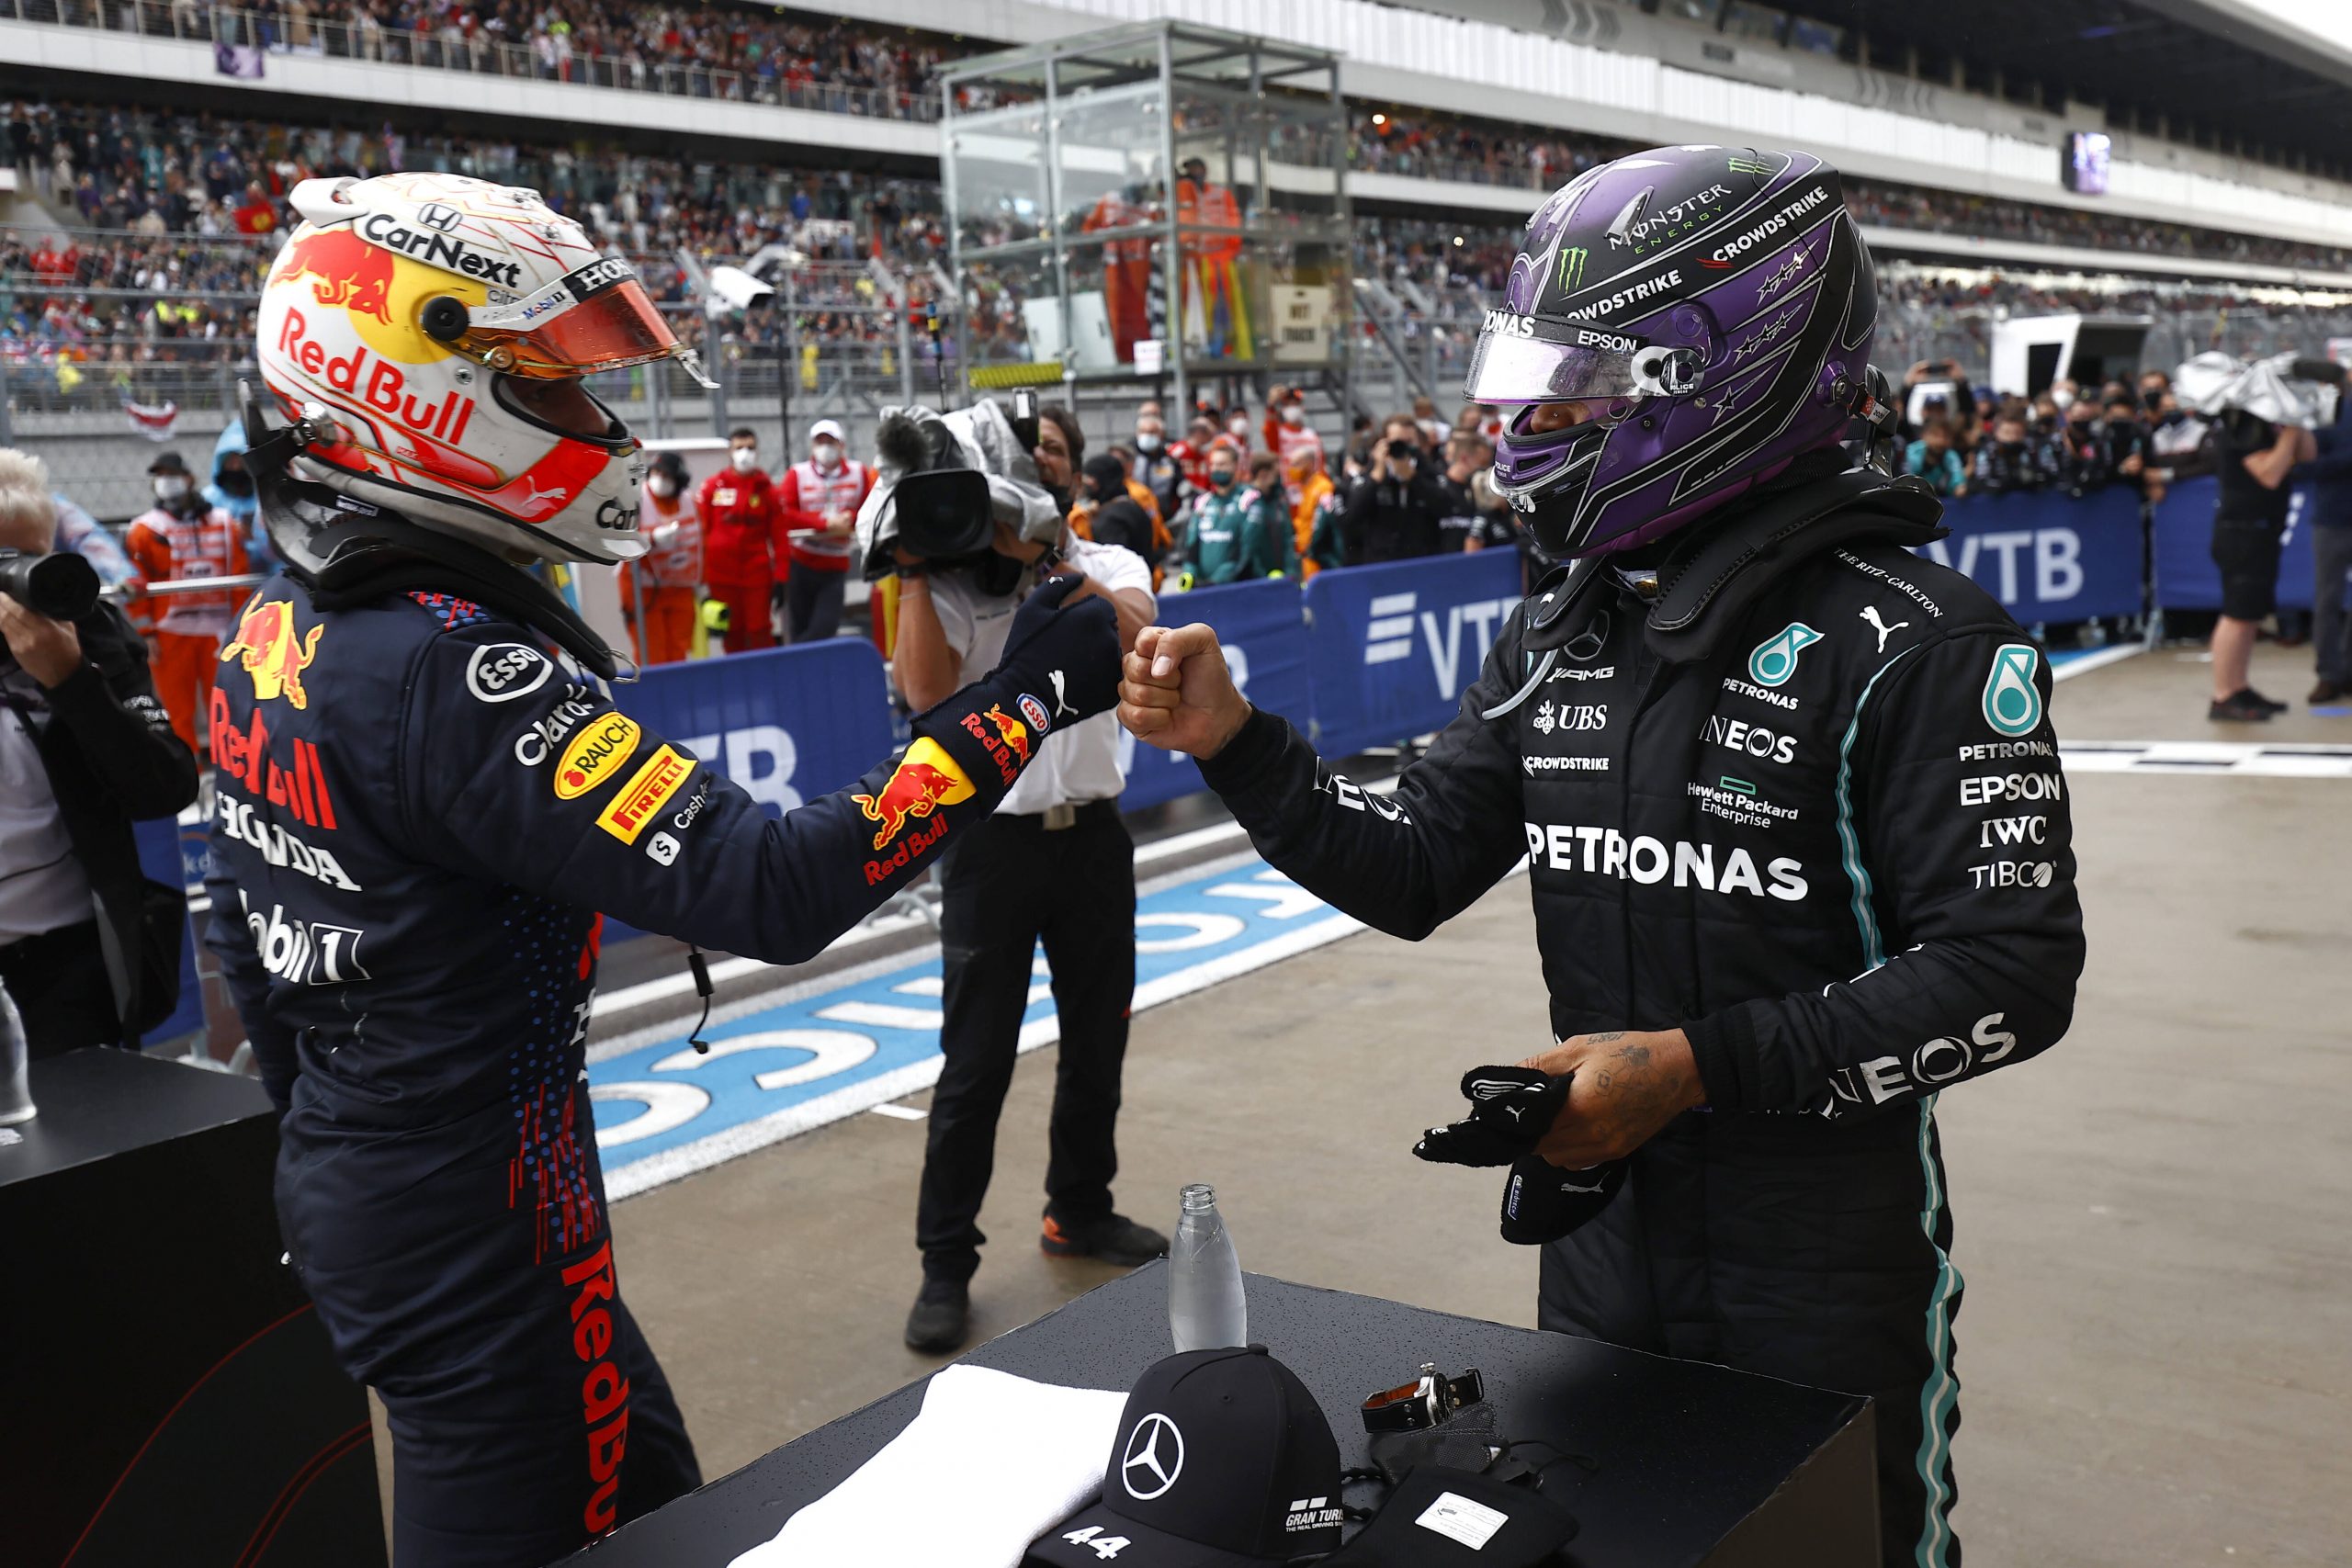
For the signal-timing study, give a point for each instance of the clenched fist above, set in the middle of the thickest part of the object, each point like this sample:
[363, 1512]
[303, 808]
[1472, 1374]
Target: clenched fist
[1177, 693]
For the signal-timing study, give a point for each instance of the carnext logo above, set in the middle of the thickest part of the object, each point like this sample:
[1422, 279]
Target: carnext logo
[1389, 636]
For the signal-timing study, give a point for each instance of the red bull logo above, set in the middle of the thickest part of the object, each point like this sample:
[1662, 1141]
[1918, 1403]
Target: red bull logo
[1013, 733]
[925, 779]
[269, 650]
[344, 270]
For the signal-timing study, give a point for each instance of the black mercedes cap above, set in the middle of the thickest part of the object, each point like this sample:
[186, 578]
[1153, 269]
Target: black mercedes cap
[1223, 1460]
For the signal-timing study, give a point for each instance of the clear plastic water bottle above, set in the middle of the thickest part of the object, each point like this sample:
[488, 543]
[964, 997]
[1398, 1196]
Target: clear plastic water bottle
[16, 1091]
[1205, 1306]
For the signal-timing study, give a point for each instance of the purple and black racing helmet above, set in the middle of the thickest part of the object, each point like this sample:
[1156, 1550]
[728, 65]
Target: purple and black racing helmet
[1712, 307]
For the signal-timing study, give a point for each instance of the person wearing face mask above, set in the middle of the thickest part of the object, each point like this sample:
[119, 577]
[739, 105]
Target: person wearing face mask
[658, 591]
[1313, 503]
[746, 550]
[1398, 511]
[1157, 464]
[1287, 434]
[1191, 454]
[819, 504]
[181, 537]
[1238, 531]
[231, 490]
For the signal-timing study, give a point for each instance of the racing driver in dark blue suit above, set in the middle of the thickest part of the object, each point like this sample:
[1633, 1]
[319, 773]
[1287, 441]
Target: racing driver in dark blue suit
[423, 808]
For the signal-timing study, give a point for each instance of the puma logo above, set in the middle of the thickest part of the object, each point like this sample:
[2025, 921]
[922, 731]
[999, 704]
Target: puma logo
[1061, 696]
[1870, 614]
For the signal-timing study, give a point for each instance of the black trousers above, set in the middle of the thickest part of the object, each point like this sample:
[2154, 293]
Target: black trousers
[58, 980]
[1010, 882]
[813, 603]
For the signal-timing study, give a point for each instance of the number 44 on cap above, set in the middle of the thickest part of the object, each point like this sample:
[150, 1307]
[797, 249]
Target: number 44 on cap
[1105, 1546]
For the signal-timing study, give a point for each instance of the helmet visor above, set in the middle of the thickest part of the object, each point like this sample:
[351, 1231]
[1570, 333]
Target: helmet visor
[1522, 360]
[597, 318]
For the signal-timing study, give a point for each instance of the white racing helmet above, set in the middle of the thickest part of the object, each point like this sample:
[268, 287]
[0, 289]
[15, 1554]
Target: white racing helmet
[434, 330]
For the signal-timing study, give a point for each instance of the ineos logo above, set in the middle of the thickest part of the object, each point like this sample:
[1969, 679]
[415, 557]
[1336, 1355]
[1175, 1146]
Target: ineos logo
[1155, 1456]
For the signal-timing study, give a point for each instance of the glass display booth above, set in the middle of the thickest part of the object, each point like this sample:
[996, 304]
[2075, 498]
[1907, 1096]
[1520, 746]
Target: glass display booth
[1159, 202]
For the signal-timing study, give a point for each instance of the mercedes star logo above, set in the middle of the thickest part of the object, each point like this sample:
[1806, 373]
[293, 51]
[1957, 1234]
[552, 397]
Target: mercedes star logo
[1155, 1456]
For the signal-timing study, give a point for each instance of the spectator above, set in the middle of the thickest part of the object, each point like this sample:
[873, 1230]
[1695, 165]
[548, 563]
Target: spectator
[2081, 448]
[84, 749]
[1191, 454]
[660, 613]
[2015, 460]
[2330, 476]
[1156, 465]
[1054, 863]
[1395, 512]
[1108, 514]
[1432, 430]
[1932, 459]
[1310, 484]
[2123, 441]
[2249, 522]
[182, 538]
[746, 550]
[2179, 442]
[819, 505]
[2047, 416]
[1237, 531]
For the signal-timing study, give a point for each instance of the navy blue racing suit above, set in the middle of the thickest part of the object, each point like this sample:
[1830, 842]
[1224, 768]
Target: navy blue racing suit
[420, 815]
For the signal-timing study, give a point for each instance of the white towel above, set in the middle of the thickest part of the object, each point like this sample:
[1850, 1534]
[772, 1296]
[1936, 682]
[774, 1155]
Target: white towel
[990, 1463]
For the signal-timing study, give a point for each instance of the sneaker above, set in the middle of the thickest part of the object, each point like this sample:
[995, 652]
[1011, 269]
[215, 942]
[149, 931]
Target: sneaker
[2244, 707]
[2271, 703]
[1113, 1239]
[942, 1318]
[2327, 691]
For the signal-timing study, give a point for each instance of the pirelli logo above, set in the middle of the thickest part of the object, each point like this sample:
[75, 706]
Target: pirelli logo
[647, 790]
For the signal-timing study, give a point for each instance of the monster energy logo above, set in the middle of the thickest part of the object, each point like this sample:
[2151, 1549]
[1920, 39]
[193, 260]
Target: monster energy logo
[1739, 165]
[1572, 262]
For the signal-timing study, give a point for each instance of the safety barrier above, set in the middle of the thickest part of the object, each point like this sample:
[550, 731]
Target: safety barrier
[2186, 578]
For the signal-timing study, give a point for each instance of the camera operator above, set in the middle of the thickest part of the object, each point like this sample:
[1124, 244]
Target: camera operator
[2249, 527]
[1055, 863]
[1399, 512]
[85, 749]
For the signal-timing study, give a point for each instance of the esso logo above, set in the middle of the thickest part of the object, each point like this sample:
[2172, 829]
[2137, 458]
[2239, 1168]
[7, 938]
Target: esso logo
[505, 670]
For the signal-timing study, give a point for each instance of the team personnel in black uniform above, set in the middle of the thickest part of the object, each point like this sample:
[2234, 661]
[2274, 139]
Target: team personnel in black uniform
[423, 812]
[1796, 831]
[2252, 458]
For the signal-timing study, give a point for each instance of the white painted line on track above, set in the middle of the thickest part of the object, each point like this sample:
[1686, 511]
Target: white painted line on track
[2083, 663]
[2235, 759]
[898, 1112]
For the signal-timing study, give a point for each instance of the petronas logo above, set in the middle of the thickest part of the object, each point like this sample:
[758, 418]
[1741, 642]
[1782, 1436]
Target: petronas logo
[1739, 165]
[1572, 262]
[2012, 702]
[1775, 658]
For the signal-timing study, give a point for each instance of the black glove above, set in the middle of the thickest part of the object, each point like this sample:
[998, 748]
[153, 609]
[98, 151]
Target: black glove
[1067, 659]
[1542, 1202]
[1510, 1110]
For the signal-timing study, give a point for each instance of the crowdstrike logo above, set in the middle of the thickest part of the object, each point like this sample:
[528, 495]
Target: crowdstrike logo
[1153, 1458]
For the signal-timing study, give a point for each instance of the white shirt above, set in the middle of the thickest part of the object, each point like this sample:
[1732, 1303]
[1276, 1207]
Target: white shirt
[1077, 764]
[41, 883]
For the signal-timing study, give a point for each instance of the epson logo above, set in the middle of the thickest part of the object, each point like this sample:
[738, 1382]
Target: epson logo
[1985, 789]
[1612, 341]
[1508, 325]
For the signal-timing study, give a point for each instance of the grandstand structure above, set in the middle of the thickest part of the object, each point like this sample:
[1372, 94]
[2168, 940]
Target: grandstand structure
[151, 142]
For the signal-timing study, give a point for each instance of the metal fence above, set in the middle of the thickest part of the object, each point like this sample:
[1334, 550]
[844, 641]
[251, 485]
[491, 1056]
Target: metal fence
[449, 49]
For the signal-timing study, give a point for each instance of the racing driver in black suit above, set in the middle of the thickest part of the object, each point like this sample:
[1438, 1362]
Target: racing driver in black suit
[422, 810]
[1789, 798]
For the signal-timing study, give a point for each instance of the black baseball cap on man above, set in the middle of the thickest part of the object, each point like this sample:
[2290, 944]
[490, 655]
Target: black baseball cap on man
[169, 463]
[1223, 1460]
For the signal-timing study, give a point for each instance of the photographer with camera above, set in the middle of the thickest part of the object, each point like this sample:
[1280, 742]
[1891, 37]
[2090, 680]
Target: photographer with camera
[1054, 862]
[88, 948]
[1398, 509]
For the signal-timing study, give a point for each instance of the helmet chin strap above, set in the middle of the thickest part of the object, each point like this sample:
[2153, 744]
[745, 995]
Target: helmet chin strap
[344, 551]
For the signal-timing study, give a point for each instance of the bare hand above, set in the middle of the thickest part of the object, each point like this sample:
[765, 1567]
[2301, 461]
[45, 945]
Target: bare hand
[50, 650]
[1627, 1087]
[1177, 693]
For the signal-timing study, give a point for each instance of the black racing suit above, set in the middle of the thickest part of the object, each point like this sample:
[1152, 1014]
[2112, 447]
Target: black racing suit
[420, 815]
[1819, 824]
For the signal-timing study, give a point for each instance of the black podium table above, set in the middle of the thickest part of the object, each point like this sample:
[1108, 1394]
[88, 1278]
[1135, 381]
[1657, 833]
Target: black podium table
[170, 1396]
[1691, 1464]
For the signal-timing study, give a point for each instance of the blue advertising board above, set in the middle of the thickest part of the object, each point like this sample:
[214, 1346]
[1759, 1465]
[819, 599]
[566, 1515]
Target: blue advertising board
[174, 853]
[2186, 578]
[1392, 647]
[2045, 555]
[1264, 635]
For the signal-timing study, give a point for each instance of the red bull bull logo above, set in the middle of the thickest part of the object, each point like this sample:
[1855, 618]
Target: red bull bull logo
[344, 270]
[1012, 731]
[925, 779]
[269, 650]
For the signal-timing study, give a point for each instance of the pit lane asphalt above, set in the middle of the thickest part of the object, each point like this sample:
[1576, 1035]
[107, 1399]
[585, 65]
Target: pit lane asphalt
[2155, 1349]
